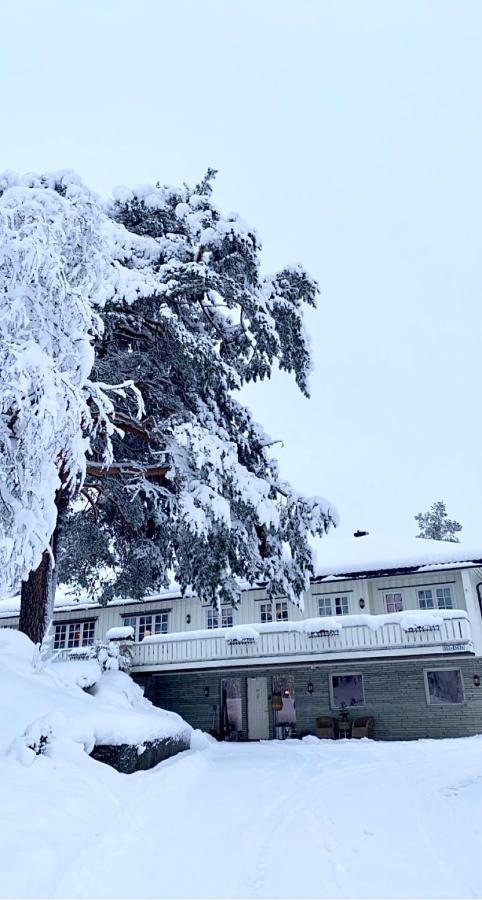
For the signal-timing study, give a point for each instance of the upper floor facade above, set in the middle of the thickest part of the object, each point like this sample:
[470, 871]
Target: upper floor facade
[429, 603]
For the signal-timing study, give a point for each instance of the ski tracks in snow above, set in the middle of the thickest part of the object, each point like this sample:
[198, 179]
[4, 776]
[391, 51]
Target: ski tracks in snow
[306, 819]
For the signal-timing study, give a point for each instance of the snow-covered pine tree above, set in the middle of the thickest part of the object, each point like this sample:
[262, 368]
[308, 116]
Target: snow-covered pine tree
[52, 262]
[193, 489]
[435, 524]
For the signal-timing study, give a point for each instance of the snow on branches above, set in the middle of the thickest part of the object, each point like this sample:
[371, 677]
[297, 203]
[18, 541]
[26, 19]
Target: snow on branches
[52, 272]
[193, 488]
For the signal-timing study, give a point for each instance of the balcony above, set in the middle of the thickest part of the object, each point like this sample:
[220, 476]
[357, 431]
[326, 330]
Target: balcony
[313, 640]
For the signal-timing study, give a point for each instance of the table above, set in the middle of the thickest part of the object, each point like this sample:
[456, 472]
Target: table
[344, 728]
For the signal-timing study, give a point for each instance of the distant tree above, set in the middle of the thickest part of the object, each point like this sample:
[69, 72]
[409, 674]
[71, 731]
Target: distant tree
[436, 525]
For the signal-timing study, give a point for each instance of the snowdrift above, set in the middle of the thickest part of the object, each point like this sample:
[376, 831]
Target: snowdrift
[72, 703]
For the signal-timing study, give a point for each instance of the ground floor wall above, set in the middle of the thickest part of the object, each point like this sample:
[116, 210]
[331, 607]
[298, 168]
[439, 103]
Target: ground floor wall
[395, 694]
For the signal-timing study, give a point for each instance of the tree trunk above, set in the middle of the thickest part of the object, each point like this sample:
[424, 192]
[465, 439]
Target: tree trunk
[37, 593]
[36, 600]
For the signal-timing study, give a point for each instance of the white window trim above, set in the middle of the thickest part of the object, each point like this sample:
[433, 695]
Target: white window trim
[266, 603]
[281, 603]
[444, 669]
[438, 587]
[400, 591]
[219, 614]
[434, 588]
[341, 675]
[324, 615]
[342, 597]
[68, 625]
[138, 616]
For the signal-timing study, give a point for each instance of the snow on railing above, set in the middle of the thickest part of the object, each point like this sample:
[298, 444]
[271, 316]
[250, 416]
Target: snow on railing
[446, 631]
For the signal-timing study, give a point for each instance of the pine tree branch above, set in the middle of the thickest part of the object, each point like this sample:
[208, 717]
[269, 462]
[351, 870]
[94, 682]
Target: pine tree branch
[102, 470]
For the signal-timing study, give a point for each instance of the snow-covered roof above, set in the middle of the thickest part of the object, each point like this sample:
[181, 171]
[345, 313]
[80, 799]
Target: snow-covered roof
[339, 556]
[68, 601]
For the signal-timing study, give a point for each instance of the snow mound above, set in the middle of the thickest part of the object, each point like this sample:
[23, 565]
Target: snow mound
[15, 643]
[122, 632]
[83, 673]
[241, 634]
[49, 710]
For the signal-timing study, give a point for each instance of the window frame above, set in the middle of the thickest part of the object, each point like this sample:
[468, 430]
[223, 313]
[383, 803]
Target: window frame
[392, 593]
[220, 617]
[133, 619]
[281, 606]
[342, 597]
[67, 628]
[433, 589]
[266, 605]
[444, 587]
[324, 598]
[426, 590]
[449, 702]
[332, 675]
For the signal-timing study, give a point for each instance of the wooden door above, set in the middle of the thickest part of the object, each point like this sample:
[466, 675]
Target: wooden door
[258, 714]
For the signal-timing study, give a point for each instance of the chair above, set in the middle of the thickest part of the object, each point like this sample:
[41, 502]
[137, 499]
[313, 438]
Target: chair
[363, 727]
[325, 727]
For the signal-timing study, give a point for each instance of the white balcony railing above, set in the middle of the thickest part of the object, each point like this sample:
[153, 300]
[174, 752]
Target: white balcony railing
[292, 641]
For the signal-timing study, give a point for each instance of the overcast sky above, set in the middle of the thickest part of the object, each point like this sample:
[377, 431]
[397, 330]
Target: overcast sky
[350, 135]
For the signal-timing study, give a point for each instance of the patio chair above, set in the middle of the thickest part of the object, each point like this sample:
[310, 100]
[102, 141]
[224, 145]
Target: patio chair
[363, 727]
[326, 727]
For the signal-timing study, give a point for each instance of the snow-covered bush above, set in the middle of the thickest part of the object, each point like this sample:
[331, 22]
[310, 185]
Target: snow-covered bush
[111, 655]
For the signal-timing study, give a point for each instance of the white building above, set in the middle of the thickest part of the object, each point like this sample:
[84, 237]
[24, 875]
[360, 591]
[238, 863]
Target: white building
[386, 632]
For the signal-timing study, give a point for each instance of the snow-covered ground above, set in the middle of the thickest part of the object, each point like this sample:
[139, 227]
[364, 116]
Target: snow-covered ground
[282, 819]
[309, 818]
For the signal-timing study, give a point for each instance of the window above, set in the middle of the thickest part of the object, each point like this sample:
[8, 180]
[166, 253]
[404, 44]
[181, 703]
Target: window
[284, 689]
[281, 612]
[131, 620]
[443, 597]
[444, 686]
[212, 617]
[161, 623]
[145, 627]
[59, 636]
[266, 612]
[347, 690]
[231, 707]
[74, 634]
[227, 616]
[324, 606]
[152, 623]
[425, 599]
[88, 633]
[339, 606]
[394, 602]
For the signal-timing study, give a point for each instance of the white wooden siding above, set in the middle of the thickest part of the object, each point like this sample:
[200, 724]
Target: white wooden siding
[370, 590]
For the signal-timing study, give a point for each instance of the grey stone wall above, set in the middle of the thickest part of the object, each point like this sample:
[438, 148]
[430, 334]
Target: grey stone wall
[126, 758]
[394, 695]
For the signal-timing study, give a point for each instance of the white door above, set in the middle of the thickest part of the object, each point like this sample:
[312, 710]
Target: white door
[258, 716]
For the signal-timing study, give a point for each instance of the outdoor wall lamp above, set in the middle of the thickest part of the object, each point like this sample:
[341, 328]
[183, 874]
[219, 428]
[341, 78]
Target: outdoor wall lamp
[309, 687]
[361, 603]
[206, 692]
[188, 619]
[477, 680]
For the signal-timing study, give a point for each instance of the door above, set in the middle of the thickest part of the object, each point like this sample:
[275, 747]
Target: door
[258, 715]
